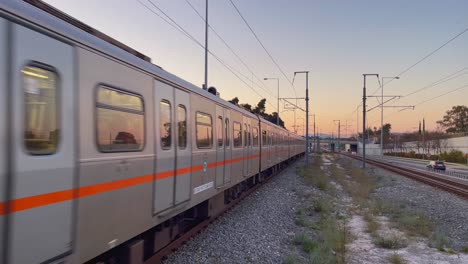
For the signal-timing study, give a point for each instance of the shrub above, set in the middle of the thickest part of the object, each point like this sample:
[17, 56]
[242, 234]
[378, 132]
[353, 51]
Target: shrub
[396, 259]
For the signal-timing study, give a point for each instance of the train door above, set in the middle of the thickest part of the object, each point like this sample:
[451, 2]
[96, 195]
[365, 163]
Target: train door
[245, 146]
[227, 146]
[220, 144]
[3, 124]
[43, 148]
[183, 150]
[164, 181]
[249, 147]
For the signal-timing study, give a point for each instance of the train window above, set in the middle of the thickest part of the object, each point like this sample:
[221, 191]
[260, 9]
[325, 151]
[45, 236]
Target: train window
[264, 138]
[204, 131]
[219, 131]
[228, 135]
[255, 136]
[120, 120]
[165, 124]
[249, 137]
[245, 134]
[182, 126]
[41, 131]
[237, 134]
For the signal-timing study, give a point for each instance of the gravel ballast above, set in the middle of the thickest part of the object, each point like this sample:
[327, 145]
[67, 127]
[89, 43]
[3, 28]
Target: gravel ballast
[258, 230]
[447, 211]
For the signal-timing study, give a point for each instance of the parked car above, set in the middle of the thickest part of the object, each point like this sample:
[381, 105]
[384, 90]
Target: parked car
[436, 165]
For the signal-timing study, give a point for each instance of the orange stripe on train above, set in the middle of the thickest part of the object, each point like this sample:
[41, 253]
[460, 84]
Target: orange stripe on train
[35, 201]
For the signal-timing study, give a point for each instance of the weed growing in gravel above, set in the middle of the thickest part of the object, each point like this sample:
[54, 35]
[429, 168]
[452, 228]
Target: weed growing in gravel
[315, 176]
[391, 242]
[291, 259]
[302, 221]
[358, 185]
[372, 224]
[409, 221]
[307, 244]
[415, 224]
[321, 205]
[396, 259]
[438, 240]
[465, 249]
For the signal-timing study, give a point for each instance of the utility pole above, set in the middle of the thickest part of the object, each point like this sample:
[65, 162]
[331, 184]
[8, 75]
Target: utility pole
[205, 85]
[364, 119]
[307, 114]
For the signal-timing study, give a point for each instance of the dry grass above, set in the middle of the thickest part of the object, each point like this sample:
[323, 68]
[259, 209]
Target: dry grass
[372, 224]
[390, 242]
[396, 259]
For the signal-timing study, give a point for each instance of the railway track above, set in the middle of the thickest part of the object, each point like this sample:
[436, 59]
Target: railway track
[455, 186]
[174, 245]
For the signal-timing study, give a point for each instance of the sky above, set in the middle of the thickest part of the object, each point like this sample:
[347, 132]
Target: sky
[336, 41]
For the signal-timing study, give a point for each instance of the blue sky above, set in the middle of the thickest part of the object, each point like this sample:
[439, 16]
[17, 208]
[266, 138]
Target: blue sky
[337, 41]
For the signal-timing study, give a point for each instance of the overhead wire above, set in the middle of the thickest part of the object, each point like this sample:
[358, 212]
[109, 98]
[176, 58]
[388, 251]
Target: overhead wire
[179, 28]
[440, 81]
[263, 46]
[427, 56]
[443, 94]
[231, 50]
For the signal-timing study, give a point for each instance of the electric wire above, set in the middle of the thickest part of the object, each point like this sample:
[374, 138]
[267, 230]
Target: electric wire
[179, 28]
[231, 50]
[263, 46]
[427, 56]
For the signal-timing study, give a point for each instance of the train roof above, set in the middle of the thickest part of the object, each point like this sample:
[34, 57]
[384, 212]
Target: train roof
[58, 22]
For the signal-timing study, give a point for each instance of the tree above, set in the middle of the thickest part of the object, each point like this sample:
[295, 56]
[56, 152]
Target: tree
[234, 101]
[260, 108]
[248, 107]
[386, 133]
[455, 120]
[272, 118]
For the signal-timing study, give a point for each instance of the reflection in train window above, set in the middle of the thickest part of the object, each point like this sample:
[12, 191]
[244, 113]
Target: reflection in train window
[237, 134]
[249, 136]
[245, 135]
[264, 138]
[228, 135]
[255, 136]
[219, 131]
[165, 124]
[204, 131]
[41, 132]
[120, 120]
[182, 126]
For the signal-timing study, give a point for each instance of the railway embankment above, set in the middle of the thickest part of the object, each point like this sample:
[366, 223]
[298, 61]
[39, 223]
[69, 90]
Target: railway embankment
[257, 230]
[334, 212]
[380, 218]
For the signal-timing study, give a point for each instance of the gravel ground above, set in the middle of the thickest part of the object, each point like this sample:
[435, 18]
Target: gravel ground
[258, 230]
[448, 212]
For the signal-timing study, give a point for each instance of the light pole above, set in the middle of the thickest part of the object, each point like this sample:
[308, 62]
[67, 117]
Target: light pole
[339, 128]
[381, 113]
[364, 118]
[277, 104]
[205, 85]
[307, 113]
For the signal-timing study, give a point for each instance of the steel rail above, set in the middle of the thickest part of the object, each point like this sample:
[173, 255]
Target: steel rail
[451, 185]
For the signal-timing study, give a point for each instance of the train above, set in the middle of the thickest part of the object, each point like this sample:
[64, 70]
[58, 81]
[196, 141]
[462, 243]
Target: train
[106, 156]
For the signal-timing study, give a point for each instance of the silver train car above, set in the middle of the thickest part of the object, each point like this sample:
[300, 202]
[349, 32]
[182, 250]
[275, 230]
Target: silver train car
[105, 154]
